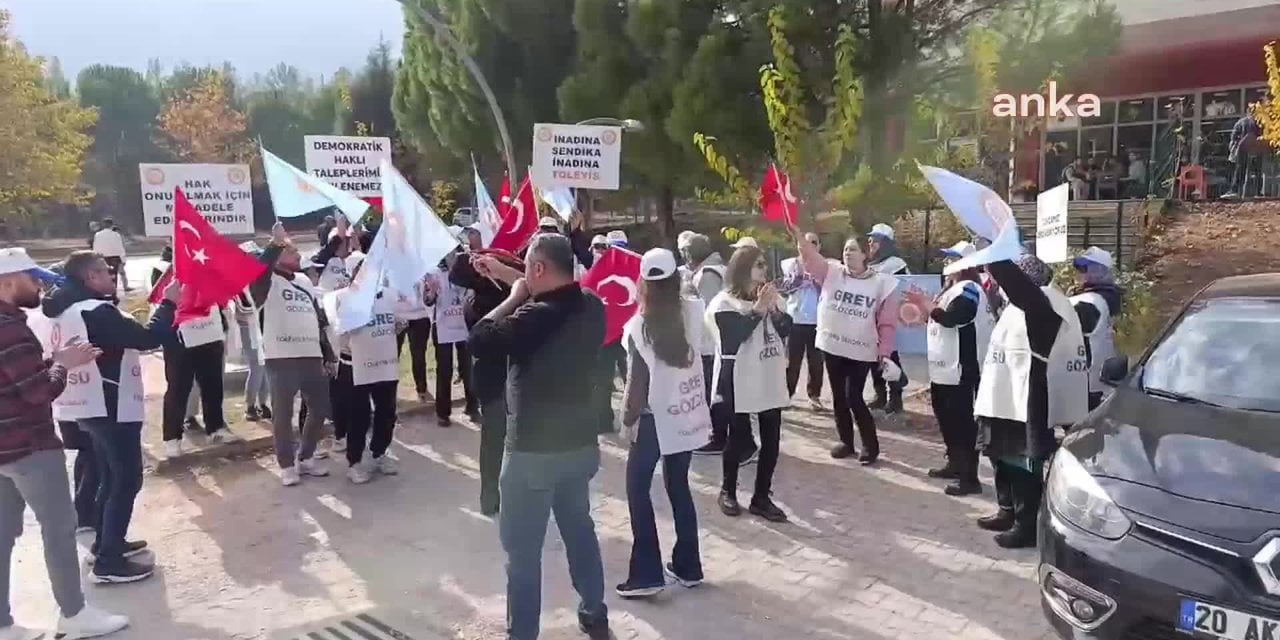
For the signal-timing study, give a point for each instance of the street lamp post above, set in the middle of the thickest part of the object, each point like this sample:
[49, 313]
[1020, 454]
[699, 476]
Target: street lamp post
[443, 31]
[628, 124]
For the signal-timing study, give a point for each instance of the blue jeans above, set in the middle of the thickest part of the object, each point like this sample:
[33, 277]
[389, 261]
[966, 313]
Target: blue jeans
[533, 486]
[255, 384]
[646, 556]
[117, 449]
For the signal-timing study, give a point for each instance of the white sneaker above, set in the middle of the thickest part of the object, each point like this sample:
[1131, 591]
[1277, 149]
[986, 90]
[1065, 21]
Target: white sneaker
[221, 436]
[172, 449]
[322, 449]
[91, 622]
[14, 632]
[339, 445]
[386, 465]
[815, 404]
[290, 477]
[312, 468]
[359, 474]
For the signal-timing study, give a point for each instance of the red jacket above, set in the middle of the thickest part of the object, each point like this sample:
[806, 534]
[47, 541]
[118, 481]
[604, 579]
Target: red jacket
[28, 386]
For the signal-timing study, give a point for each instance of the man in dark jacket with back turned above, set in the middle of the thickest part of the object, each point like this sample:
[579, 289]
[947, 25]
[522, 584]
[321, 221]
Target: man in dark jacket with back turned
[551, 332]
[111, 410]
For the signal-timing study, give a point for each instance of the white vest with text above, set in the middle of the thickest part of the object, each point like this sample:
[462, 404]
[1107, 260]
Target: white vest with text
[374, 354]
[760, 366]
[1102, 342]
[1006, 373]
[83, 398]
[847, 309]
[451, 324]
[202, 331]
[677, 395]
[944, 342]
[290, 325]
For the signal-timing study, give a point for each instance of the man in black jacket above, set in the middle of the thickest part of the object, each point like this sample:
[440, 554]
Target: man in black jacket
[114, 426]
[551, 332]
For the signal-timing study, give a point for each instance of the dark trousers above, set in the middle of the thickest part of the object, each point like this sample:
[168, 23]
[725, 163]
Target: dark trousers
[1246, 167]
[1095, 399]
[1019, 491]
[419, 335]
[953, 408]
[182, 367]
[444, 378]
[616, 356]
[490, 380]
[848, 379]
[84, 473]
[361, 419]
[117, 449]
[740, 444]
[802, 346]
[342, 397]
[881, 387]
[646, 552]
[721, 413]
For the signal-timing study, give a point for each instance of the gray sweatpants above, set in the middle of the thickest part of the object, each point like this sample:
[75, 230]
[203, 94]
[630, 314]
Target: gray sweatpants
[40, 480]
[289, 377]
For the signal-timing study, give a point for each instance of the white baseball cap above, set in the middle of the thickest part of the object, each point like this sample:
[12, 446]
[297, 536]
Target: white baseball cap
[16, 260]
[598, 240]
[682, 240]
[745, 241]
[1096, 255]
[549, 222]
[617, 237]
[657, 264]
[961, 249]
[883, 230]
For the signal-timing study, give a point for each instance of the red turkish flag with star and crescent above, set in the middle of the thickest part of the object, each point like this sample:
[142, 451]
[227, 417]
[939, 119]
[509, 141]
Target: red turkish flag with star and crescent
[615, 277]
[776, 199]
[212, 268]
[519, 219]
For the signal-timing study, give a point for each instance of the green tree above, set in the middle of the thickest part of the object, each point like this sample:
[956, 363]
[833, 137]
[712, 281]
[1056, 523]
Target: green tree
[43, 139]
[127, 107]
[372, 91]
[55, 81]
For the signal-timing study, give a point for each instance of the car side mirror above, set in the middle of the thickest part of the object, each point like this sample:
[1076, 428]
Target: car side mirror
[1114, 370]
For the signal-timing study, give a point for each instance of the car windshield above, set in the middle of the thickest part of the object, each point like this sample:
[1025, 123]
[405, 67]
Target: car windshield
[1222, 351]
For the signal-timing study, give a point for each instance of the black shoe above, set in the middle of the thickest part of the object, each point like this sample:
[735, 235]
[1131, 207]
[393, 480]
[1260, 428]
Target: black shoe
[131, 548]
[489, 510]
[895, 403]
[1001, 520]
[712, 448]
[963, 488]
[868, 459]
[595, 629]
[1018, 537]
[265, 412]
[251, 415]
[842, 451]
[124, 571]
[474, 414]
[191, 424]
[444, 422]
[879, 403]
[750, 456]
[944, 473]
[628, 590]
[765, 508]
[729, 505]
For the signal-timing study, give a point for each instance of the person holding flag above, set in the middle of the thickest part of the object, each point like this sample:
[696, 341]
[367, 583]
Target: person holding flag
[857, 327]
[662, 342]
[298, 356]
[959, 331]
[748, 329]
[106, 400]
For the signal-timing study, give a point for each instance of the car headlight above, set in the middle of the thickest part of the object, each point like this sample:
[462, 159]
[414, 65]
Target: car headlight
[1076, 497]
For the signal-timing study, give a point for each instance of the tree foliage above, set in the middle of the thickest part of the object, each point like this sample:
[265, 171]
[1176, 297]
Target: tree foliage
[43, 139]
[1268, 111]
[201, 124]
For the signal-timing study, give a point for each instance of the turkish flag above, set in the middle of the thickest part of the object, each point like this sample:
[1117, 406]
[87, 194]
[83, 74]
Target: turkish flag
[519, 221]
[615, 277]
[504, 198]
[776, 199]
[212, 268]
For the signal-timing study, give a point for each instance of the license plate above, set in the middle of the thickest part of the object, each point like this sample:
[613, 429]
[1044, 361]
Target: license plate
[1220, 622]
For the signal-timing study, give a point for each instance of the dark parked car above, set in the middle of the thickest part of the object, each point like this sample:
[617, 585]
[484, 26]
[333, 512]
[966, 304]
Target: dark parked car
[1161, 517]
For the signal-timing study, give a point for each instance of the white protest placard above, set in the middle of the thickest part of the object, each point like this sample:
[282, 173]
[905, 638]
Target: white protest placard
[220, 192]
[576, 156]
[1051, 224]
[349, 163]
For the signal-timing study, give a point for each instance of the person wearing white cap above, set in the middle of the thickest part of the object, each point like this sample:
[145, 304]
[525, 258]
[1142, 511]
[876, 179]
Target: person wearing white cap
[749, 330]
[882, 256]
[959, 330]
[705, 281]
[663, 340]
[599, 244]
[617, 238]
[857, 328]
[745, 241]
[1097, 301]
[33, 467]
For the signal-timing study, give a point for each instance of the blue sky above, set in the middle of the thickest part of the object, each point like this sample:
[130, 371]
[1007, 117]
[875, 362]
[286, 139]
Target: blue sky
[317, 36]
